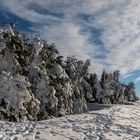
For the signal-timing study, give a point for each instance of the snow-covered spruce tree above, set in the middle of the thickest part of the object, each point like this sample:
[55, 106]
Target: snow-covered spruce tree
[17, 102]
[130, 92]
[50, 83]
[77, 71]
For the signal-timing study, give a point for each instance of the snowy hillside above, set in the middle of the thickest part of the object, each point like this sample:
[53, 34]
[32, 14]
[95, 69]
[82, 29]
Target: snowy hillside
[112, 122]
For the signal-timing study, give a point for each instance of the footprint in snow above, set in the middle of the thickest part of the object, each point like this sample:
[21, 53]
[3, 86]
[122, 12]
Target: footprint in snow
[37, 135]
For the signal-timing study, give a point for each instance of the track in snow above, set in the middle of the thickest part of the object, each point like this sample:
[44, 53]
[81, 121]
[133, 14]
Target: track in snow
[117, 122]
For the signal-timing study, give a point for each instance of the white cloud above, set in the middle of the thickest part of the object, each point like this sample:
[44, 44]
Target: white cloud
[137, 80]
[22, 10]
[118, 20]
[74, 44]
[127, 76]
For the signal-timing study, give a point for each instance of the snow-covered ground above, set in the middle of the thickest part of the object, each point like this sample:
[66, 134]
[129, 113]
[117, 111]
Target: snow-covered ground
[117, 122]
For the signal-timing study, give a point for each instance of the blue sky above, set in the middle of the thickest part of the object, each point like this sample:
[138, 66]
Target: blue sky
[105, 31]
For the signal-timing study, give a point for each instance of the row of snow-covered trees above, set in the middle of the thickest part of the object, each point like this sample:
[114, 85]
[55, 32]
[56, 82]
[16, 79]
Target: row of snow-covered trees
[36, 84]
[108, 89]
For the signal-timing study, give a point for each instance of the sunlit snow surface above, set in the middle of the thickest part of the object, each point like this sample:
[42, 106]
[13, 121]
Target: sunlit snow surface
[117, 122]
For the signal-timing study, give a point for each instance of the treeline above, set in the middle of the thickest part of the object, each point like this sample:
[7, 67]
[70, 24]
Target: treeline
[36, 83]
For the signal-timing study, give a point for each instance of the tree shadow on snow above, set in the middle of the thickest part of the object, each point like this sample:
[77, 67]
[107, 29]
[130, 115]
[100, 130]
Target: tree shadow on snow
[96, 106]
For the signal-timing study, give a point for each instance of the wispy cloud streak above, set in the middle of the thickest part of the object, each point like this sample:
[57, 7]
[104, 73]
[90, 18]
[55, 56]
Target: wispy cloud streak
[107, 31]
[137, 80]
